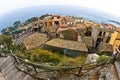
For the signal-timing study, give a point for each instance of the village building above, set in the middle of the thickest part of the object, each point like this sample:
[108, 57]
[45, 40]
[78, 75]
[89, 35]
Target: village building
[115, 38]
[69, 33]
[50, 26]
[100, 35]
[79, 20]
[109, 27]
[88, 42]
[37, 25]
[81, 28]
[52, 23]
[63, 21]
[70, 20]
[70, 48]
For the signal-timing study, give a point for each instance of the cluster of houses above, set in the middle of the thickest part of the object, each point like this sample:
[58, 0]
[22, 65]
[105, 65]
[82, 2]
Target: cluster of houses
[73, 36]
[77, 34]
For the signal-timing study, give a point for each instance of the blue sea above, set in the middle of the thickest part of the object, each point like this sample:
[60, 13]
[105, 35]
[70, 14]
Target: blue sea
[23, 14]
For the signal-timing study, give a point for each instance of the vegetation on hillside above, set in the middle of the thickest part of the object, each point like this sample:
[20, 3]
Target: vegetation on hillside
[33, 19]
[12, 29]
[17, 24]
[45, 56]
[8, 44]
[100, 53]
[38, 55]
[104, 59]
[43, 16]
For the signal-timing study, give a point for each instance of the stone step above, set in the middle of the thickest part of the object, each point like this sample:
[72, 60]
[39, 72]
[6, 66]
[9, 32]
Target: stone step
[5, 62]
[27, 77]
[2, 77]
[12, 74]
[32, 78]
[18, 76]
[22, 76]
[2, 58]
[7, 67]
[117, 67]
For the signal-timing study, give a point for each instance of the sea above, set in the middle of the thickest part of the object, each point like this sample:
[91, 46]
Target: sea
[23, 14]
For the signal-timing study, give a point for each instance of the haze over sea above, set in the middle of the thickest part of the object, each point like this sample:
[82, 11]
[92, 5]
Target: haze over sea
[23, 14]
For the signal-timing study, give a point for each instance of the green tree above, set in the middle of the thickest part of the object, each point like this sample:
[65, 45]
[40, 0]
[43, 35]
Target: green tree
[33, 19]
[43, 16]
[16, 24]
[8, 30]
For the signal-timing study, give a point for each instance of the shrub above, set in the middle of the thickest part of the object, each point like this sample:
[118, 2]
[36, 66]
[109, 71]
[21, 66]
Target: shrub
[35, 58]
[27, 55]
[39, 55]
[102, 59]
[69, 61]
[100, 53]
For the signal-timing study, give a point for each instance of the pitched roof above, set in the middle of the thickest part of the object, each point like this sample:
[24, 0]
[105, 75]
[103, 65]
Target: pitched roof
[106, 47]
[35, 40]
[62, 29]
[2, 76]
[108, 27]
[72, 45]
[118, 29]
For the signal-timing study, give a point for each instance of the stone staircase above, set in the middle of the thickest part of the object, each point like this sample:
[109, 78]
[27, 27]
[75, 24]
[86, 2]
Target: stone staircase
[117, 67]
[9, 70]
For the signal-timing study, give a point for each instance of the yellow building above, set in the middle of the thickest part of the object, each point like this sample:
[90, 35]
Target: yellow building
[115, 39]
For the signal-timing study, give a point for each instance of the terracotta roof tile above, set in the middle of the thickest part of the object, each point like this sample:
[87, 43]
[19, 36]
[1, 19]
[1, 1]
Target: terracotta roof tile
[72, 45]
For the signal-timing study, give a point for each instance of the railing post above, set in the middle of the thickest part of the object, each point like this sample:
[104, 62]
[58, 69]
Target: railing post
[79, 71]
[35, 69]
[14, 57]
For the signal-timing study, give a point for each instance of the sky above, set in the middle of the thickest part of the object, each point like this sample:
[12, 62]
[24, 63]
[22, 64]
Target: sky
[108, 6]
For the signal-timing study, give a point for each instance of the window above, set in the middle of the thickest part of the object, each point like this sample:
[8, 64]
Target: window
[35, 24]
[104, 34]
[100, 33]
[56, 23]
[108, 39]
